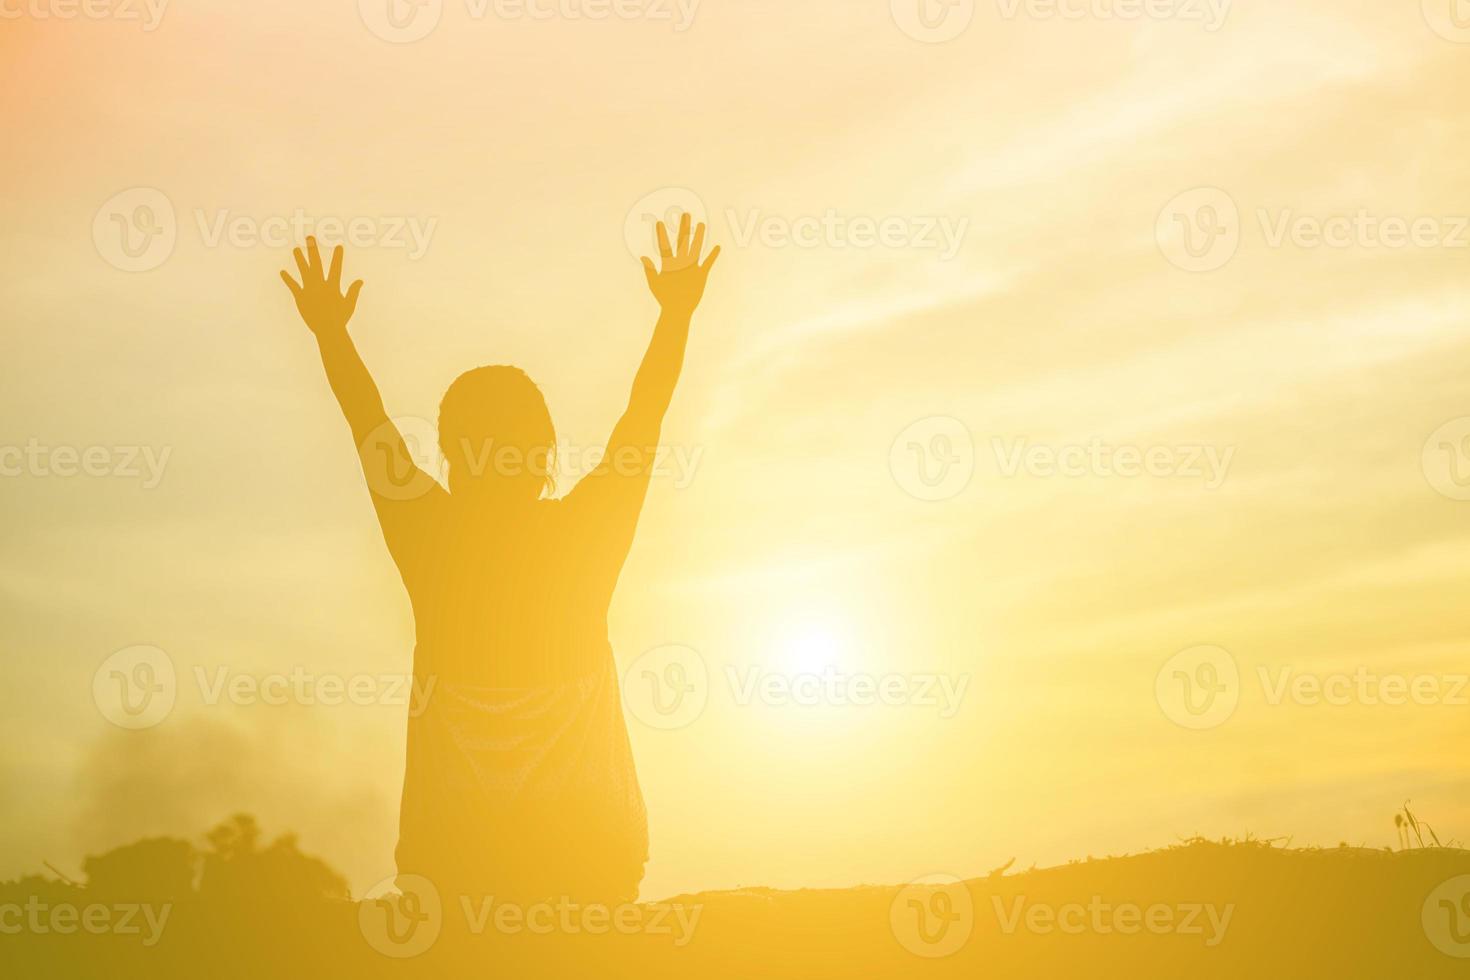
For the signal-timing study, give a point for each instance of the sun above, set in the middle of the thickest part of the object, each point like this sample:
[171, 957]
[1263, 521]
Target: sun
[812, 643]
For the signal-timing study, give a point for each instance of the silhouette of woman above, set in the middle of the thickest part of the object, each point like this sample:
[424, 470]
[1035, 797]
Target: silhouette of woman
[519, 780]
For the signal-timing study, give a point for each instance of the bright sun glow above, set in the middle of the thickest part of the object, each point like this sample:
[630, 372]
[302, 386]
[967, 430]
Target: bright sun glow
[812, 643]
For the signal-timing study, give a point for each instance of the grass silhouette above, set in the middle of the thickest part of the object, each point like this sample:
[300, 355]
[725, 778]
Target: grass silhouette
[236, 907]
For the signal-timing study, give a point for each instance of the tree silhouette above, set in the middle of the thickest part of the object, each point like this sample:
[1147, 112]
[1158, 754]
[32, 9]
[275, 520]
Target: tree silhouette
[236, 868]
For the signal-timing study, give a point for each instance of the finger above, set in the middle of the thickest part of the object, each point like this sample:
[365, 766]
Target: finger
[291, 284]
[709, 263]
[335, 276]
[301, 265]
[650, 271]
[313, 253]
[352, 292]
[698, 245]
[664, 249]
[683, 235]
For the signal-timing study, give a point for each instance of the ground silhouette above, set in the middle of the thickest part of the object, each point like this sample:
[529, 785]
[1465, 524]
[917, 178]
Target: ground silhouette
[1196, 909]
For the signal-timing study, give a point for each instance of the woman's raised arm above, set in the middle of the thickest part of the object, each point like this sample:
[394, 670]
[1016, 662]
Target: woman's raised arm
[611, 496]
[678, 285]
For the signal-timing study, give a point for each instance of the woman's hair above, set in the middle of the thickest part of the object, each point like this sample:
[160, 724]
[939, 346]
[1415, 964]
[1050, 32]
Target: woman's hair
[493, 422]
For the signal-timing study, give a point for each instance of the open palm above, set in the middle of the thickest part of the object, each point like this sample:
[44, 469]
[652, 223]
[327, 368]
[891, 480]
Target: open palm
[678, 284]
[319, 297]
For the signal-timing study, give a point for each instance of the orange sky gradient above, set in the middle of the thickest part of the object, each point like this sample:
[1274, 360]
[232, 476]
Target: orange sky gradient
[1062, 319]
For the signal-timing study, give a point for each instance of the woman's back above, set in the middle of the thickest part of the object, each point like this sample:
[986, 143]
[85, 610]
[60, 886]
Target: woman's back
[520, 777]
[512, 595]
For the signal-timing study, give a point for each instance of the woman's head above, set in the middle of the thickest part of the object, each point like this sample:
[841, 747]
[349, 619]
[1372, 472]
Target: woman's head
[496, 433]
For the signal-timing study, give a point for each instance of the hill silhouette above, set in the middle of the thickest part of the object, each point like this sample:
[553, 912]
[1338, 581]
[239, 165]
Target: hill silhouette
[235, 907]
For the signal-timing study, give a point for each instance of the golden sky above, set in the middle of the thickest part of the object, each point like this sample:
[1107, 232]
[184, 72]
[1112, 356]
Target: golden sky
[969, 248]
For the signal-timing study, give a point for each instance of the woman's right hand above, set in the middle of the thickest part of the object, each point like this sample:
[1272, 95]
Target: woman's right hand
[679, 284]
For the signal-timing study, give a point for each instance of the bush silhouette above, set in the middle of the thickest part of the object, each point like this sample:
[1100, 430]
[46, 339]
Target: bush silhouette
[157, 869]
